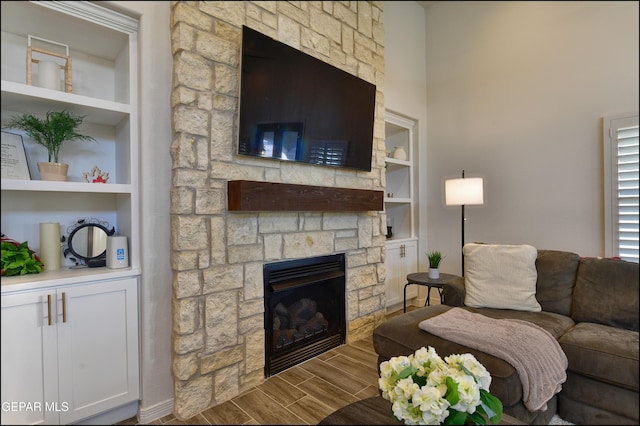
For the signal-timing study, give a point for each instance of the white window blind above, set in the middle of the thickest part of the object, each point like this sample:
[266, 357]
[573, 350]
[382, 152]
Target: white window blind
[622, 217]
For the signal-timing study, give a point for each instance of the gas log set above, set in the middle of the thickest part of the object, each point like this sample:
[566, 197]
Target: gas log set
[297, 322]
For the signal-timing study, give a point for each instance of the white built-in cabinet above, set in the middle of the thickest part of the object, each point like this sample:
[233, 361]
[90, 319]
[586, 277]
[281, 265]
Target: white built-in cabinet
[400, 207]
[90, 361]
[401, 260]
[70, 352]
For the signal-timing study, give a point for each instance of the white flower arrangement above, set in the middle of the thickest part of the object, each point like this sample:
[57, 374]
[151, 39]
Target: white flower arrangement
[424, 389]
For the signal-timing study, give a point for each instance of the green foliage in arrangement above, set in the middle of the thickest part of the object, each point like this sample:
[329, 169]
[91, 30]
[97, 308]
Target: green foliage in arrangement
[434, 257]
[19, 259]
[50, 132]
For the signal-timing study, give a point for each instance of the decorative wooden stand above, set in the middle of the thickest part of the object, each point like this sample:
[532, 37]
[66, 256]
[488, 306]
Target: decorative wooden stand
[66, 67]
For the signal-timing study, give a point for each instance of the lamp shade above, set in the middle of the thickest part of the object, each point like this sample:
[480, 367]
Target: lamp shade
[465, 191]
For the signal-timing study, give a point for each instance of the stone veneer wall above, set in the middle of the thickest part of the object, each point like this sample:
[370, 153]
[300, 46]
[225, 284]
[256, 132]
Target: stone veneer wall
[218, 256]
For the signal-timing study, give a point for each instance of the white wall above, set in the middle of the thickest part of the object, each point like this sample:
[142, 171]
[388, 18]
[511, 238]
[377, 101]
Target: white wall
[156, 62]
[516, 92]
[405, 89]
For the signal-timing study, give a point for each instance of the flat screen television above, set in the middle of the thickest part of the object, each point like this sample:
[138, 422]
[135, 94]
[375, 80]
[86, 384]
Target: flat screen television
[294, 107]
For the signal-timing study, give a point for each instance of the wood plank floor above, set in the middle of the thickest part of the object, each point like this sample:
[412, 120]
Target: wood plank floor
[301, 395]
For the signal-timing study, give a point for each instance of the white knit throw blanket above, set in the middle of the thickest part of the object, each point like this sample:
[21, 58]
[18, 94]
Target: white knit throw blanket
[531, 350]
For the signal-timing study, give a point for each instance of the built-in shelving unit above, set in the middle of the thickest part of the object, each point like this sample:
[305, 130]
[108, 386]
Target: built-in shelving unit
[399, 203]
[70, 336]
[400, 191]
[103, 49]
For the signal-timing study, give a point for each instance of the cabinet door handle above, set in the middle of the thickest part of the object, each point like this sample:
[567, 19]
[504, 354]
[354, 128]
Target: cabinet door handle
[64, 307]
[49, 308]
[402, 250]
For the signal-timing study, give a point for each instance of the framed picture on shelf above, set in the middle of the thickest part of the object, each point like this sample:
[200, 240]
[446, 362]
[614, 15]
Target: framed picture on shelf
[14, 159]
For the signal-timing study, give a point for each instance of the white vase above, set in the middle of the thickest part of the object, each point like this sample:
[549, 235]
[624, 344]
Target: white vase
[399, 153]
[434, 273]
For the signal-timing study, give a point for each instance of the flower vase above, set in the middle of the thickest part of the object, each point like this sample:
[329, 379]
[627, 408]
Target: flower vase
[434, 273]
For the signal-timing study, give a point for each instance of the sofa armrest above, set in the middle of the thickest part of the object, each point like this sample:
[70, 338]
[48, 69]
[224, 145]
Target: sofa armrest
[453, 292]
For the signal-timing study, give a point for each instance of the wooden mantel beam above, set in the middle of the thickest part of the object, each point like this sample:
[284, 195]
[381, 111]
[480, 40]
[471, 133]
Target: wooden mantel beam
[246, 195]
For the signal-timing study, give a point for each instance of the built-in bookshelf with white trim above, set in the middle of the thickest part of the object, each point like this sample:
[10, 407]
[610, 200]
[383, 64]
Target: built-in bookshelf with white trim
[400, 207]
[103, 50]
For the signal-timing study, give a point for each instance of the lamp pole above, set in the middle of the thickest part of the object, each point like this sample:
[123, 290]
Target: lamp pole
[462, 233]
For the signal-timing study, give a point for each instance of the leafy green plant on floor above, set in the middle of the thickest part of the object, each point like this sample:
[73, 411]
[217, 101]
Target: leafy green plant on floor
[19, 259]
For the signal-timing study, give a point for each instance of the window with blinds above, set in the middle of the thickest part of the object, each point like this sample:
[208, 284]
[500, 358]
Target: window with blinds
[621, 187]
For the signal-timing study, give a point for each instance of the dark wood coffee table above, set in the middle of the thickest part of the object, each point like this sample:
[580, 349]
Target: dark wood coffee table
[377, 411]
[371, 411]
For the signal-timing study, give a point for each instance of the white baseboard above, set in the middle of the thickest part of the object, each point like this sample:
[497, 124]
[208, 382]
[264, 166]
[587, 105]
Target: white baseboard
[420, 301]
[149, 414]
[113, 416]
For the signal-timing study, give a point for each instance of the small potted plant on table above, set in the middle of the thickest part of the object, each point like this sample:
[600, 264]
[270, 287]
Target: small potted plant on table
[57, 127]
[434, 258]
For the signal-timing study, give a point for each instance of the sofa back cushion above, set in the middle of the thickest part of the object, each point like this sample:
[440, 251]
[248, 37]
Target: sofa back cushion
[500, 276]
[557, 272]
[606, 292]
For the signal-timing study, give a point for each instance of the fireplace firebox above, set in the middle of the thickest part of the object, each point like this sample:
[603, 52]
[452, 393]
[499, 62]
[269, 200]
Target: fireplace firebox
[304, 309]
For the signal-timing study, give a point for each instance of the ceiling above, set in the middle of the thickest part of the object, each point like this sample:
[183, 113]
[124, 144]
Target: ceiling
[426, 4]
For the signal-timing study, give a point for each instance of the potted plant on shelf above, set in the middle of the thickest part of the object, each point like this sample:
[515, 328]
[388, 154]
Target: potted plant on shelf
[51, 132]
[434, 258]
[18, 258]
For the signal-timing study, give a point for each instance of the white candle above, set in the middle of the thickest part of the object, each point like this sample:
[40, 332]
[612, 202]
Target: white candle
[49, 75]
[50, 246]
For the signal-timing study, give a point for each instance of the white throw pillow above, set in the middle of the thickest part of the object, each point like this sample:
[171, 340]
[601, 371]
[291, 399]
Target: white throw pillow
[501, 276]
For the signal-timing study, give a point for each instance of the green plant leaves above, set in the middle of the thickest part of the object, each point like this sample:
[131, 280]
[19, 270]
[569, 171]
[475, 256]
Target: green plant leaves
[51, 132]
[19, 259]
[452, 391]
[455, 417]
[491, 406]
[434, 258]
[407, 372]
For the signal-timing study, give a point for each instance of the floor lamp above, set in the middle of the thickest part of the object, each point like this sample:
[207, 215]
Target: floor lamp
[461, 192]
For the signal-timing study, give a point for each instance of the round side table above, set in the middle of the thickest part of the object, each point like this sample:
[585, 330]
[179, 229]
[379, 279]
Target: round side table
[422, 278]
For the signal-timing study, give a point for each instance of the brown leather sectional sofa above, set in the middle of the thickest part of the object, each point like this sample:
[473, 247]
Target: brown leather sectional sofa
[589, 305]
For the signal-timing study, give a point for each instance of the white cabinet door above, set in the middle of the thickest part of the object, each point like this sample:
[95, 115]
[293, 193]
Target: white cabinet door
[98, 347]
[401, 260]
[69, 352]
[29, 358]
[392, 265]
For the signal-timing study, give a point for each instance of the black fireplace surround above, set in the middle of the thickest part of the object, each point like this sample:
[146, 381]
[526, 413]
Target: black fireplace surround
[304, 309]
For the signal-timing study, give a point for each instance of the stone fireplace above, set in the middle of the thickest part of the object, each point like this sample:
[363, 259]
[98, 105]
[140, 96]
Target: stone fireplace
[218, 255]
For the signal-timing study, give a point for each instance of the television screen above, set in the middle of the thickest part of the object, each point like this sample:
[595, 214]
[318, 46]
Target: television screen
[294, 107]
